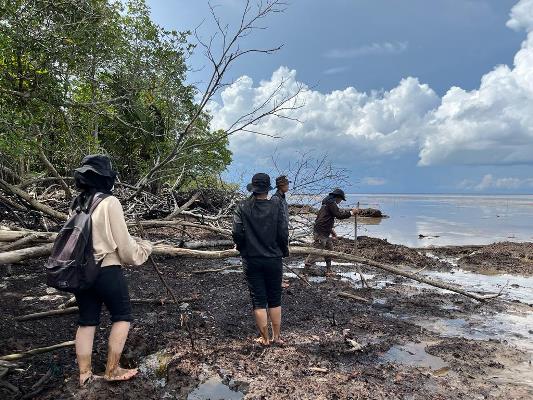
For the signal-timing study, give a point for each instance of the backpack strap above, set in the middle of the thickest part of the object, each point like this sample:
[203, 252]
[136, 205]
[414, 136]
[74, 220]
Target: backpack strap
[97, 199]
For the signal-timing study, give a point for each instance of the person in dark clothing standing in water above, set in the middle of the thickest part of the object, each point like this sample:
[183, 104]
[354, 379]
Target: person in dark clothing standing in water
[323, 231]
[261, 234]
[282, 186]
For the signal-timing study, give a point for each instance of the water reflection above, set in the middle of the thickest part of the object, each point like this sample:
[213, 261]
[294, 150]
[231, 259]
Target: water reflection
[440, 220]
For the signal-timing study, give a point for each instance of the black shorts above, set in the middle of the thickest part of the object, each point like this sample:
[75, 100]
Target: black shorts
[111, 289]
[264, 275]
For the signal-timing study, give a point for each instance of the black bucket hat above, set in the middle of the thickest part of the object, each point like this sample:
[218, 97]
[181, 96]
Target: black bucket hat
[339, 193]
[99, 164]
[260, 184]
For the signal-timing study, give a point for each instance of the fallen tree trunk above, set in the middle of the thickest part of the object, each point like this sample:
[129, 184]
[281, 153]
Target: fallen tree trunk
[389, 268]
[39, 350]
[10, 257]
[32, 237]
[16, 256]
[12, 236]
[207, 243]
[32, 202]
[165, 250]
[160, 223]
[33, 252]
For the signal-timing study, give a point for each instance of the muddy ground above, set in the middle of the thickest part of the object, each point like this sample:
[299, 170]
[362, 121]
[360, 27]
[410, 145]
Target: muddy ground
[389, 348]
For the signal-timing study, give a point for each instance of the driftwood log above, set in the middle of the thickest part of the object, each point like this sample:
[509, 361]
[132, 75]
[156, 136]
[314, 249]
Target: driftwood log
[39, 350]
[352, 297]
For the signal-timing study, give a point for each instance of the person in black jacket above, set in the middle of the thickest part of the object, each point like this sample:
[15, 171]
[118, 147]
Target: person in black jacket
[282, 186]
[261, 234]
[323, 229]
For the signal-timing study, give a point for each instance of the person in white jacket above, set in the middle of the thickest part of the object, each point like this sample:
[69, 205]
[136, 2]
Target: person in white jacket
[113, 247]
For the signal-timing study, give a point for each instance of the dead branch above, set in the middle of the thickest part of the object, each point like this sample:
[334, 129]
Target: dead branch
[11, 203]
[44, 314]
[50, 167]
[185, 206]
[32, 202]
[159, 273]
[352, 297]
[230, 51]
[204, 217]
[39, 350]
[209, 271]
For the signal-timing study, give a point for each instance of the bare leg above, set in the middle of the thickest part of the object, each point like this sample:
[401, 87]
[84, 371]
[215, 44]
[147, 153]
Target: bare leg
[117, 339]
[329, 270]
[309, 261]
[275, 318]
[84, 349]
[261, 320]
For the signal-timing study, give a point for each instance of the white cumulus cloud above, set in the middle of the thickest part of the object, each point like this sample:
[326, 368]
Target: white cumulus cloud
[489, 125]
[492, 124]
[490, 182]
[347, 122]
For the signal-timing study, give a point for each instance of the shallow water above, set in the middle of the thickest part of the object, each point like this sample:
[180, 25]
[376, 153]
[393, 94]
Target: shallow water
[444, 219]
[214, 389]
[414, 354]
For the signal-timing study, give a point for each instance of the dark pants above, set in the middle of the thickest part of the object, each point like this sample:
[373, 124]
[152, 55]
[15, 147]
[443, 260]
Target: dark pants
[111, 289]
[264, 275]
[322, 243]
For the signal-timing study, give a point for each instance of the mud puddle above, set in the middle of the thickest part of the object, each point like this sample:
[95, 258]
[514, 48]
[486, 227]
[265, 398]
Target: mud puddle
[214, 388]
[415, 355]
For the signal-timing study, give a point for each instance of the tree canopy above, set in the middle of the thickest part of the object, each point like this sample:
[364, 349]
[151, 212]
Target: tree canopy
[86, 76]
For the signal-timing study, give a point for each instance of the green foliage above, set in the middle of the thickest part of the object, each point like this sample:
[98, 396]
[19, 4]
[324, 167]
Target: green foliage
[85, 76]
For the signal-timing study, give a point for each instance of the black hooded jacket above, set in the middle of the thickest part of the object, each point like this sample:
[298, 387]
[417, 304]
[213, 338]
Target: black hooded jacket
[326, 216]
[260, 228]
[281, 196]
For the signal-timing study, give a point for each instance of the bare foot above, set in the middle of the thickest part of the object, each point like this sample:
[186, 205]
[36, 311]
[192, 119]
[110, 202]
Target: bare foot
[279, 342]
[88, 377]
[260, 340]
[330, 273]
[121, 374]
[285, 284]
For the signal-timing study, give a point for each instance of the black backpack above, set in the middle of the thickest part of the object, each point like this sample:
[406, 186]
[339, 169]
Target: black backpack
[71, 266]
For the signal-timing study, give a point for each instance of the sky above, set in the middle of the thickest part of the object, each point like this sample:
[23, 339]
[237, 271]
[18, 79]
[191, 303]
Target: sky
[410, 96]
